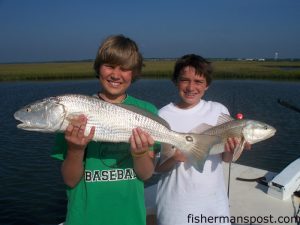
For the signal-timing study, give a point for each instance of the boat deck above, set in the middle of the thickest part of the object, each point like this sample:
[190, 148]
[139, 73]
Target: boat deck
[249, 201]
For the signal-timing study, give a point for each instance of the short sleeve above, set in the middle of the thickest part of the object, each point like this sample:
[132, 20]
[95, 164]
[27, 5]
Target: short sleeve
[60, 147]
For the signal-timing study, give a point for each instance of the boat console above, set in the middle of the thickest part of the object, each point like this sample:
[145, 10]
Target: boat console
[286, 182]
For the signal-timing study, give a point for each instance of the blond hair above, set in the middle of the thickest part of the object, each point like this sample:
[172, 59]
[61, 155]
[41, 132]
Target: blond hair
[119, 50]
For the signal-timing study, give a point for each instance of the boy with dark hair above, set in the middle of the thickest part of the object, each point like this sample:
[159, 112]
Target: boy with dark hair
[183, 191]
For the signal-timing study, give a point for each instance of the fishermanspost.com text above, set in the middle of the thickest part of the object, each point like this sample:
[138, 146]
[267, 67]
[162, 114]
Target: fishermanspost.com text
[200, 219]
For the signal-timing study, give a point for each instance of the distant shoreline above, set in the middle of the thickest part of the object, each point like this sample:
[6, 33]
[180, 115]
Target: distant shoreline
[154, 69]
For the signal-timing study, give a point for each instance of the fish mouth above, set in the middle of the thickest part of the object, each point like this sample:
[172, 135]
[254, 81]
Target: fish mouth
[22, 124]
[29, 127]
[272, 133]
[25, 125]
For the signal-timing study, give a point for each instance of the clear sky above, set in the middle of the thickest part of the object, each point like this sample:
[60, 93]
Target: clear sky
[45, 30]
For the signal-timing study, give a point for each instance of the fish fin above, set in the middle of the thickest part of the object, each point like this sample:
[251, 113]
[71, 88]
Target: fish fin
[200, 128]
[145, 113]
[198, 147]
[224, 118]
[217, 149]
[72, 116]
[167, 151]
[238, 150]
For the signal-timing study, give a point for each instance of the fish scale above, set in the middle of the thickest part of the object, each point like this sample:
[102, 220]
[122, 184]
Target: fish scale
[112, 122]
[245, 130]
[114, 126]
[233, 128]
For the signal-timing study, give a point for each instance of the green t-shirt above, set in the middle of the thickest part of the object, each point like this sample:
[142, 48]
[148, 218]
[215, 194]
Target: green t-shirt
[109, 193]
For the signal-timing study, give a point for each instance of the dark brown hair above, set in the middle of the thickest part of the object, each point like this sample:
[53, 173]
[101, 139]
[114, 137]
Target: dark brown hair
[201, 65]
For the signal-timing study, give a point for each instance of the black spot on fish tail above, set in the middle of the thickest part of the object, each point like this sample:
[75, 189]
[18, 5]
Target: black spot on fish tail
[198, 150]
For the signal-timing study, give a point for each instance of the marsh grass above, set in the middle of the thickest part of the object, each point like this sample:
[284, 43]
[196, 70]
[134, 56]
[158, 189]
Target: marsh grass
[158, 69]
[155, 69]
[46, 71]
[256, 70]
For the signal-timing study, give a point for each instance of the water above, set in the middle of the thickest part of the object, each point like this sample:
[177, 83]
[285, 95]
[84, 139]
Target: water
[290, 68]
[31, 188]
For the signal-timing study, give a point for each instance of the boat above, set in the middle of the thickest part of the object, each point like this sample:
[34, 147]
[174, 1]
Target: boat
[256, 196]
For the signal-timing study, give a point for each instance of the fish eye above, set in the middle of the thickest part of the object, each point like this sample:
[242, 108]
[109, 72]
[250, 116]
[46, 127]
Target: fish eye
[266, 127]
[189, 138]
[28, 109]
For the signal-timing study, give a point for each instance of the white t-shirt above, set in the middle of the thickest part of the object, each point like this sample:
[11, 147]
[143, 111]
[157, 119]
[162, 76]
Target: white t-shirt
[184, 195]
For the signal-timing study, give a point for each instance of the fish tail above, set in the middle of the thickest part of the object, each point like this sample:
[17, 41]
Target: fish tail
[197, 147]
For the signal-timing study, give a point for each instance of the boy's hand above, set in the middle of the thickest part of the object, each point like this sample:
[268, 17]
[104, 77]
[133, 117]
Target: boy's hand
[232, 143]
[140, 142]
[74, 133]
[179, 156]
